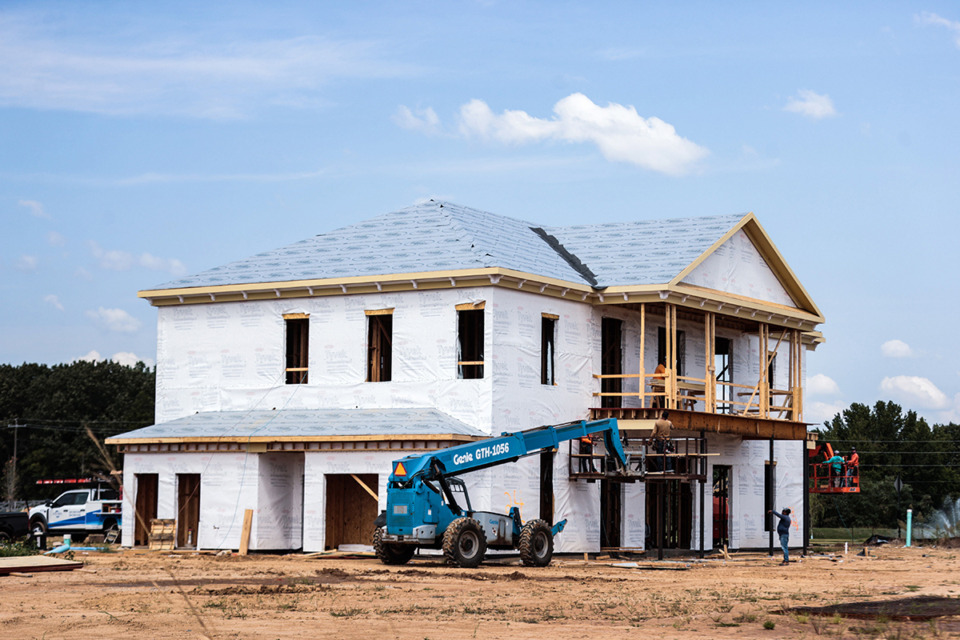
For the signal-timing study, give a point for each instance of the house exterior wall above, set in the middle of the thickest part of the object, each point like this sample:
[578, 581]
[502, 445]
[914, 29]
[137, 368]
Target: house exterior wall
[230, 357]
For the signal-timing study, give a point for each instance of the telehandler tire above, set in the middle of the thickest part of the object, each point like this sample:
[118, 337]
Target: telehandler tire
[389, 552]
[464, 543]
[536, 543]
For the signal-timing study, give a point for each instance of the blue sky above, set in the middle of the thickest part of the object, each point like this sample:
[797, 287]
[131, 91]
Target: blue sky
[143, 141]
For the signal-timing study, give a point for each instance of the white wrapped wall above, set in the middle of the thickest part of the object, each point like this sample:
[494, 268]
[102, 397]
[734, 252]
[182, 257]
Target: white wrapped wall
[230, 357]
[746, 492]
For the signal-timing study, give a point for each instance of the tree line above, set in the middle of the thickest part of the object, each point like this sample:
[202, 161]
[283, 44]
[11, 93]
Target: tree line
[48, 414]
[892, 444]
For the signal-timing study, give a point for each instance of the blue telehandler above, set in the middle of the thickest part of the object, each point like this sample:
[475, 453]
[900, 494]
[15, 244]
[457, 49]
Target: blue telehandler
[428, 506]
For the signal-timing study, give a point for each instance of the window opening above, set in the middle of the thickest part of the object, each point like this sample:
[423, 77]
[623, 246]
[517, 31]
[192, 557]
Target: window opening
[611, 361]
[548, 328]
[723, 367]
[469, 344]
[379, 347]
[662, 350]
[298, 342]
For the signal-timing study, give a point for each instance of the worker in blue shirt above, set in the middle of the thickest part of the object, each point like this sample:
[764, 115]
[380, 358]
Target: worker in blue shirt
[783, 530]
[836, 468]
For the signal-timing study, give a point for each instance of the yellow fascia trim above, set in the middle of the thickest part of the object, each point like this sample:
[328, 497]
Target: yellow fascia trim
[338, 286]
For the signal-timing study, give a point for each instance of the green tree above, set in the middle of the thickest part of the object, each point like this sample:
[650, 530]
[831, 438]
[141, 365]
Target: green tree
[54, 407]
[891, 443]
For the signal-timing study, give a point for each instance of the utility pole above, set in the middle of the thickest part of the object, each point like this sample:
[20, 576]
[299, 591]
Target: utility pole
[12, 482]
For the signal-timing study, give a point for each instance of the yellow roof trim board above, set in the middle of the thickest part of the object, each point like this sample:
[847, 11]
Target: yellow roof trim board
[774, 259]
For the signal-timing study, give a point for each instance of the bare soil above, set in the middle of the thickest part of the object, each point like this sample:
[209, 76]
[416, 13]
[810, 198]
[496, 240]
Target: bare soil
[895, 592]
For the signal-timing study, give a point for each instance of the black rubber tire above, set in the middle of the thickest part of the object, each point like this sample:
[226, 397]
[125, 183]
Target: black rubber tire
[390, 552]
[4, 537]
[464, 543]
[38, 527]
[536, 544]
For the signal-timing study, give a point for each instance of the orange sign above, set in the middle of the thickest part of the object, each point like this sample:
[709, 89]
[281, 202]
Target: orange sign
[399, 471]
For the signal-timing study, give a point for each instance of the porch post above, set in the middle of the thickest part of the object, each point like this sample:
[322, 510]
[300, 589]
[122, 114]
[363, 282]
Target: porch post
[806, 497]
[643, 353]
[702, 463]
[773, 482]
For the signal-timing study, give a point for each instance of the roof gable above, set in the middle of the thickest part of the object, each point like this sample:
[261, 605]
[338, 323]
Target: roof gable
[737, 267]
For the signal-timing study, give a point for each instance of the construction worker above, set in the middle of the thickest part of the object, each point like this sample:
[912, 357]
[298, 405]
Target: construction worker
[853, 466]
[586, 448]
[658, 385]
[661, 440]
[836, 469]
[783, 530]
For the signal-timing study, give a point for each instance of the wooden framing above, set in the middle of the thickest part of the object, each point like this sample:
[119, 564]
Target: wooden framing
[380, 345]
[297, 347]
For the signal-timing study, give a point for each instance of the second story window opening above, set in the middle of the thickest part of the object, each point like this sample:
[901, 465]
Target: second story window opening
[662, 351]
[470, 341]
[379, 345]
[548, 331]
[298, 346]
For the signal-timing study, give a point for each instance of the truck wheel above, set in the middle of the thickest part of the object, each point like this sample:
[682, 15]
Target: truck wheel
[4, 537]
[536, 544]
[390, 552]
[464, 543]
[38, 527]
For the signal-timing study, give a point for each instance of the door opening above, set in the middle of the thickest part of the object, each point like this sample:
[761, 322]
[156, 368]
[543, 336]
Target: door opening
[669, 513]
[611, 501]
[721, 506]
[188, 510]
[352, 506]
[145, 507]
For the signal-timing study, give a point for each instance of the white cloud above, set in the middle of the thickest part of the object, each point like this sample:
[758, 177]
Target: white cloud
[93, 356]
[424, 120]
[53, 300]
[621, 134]
[115, 260]
[821, 385]
[951, 25]
[811, 105]
[172, 265]
[896, 349]
[129, 359]
[36, 209]
[820, 412]
[115, 320]
[915, 392]
[55, 239]
[27, 263]
[99, 68]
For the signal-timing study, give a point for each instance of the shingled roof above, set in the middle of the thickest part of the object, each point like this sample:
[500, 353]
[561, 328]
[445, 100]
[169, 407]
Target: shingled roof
[440, 236]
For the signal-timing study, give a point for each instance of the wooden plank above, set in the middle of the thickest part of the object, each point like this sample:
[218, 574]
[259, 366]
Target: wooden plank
[245, 532]
[24, 564]
[365, 487]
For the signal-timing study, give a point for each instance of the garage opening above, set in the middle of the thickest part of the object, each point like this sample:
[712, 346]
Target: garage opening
[352, 506]
[188, 509]
[669, 514]
[145, 508]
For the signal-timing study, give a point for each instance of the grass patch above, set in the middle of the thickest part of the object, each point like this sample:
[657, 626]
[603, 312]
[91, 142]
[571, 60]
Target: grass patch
[17, 548]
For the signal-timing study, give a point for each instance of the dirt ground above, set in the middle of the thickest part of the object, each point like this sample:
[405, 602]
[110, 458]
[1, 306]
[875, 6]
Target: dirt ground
[139, 594]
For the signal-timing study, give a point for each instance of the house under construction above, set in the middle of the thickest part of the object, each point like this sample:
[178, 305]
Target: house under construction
[288, 382]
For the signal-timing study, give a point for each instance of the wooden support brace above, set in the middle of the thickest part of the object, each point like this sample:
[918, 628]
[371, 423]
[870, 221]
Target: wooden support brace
[365, 487]
[245, 532]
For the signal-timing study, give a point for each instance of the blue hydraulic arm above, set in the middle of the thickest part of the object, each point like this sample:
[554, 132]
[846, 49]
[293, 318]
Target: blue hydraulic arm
[508, 447]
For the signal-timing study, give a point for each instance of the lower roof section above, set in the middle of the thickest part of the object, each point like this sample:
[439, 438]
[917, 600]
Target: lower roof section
[317, 425]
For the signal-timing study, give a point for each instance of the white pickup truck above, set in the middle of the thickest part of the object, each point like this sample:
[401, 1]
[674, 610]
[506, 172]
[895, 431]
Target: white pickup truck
[79, 512]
